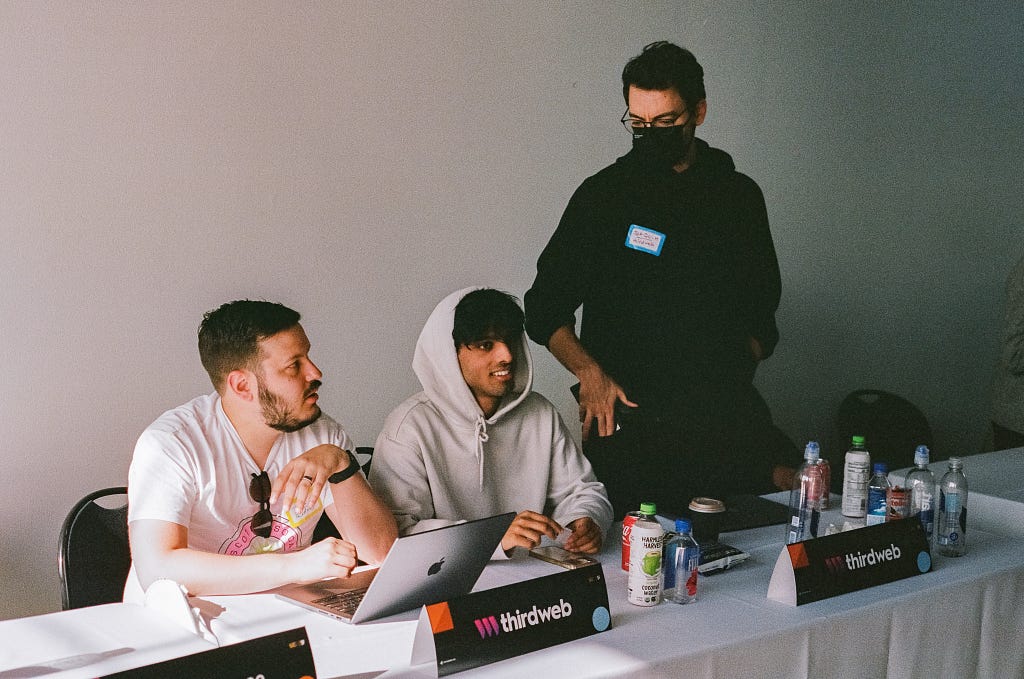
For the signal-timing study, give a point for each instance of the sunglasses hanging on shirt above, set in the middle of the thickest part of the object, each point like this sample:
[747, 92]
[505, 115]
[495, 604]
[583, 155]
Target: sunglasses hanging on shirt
[259, 491]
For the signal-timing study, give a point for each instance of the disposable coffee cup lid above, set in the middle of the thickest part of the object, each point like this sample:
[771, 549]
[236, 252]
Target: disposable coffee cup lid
[707, 505]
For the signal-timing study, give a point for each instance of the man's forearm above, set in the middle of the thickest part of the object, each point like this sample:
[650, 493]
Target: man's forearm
[363, 519]
[565, 346]
[206, 573]
[159, 551]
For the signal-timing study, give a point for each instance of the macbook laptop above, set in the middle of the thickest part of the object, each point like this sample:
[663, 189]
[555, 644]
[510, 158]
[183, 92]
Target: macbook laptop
[422, 568]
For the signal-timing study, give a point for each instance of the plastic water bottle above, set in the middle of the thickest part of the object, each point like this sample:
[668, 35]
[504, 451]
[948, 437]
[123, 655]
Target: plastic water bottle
[878, 488]
[826, 484]
[921, 483]
[951, 523]
[856, 472]
[646, 540]
[805, 497]
[682, 558]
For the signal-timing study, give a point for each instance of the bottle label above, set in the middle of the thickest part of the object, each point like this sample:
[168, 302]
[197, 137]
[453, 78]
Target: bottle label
[952, 519]
[897, 503]
[855, 484]
[691, 558]
[876, 506]
[681, 573]
[643, 584]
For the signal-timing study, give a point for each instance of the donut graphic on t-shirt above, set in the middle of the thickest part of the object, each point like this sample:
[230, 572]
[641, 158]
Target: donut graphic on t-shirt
[283, 538]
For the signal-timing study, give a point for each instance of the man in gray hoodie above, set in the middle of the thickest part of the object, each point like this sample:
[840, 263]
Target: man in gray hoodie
[477, 441]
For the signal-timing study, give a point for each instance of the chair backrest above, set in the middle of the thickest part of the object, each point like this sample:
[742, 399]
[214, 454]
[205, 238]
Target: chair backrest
[93, 557]
[892, 426]
[365, 456]
[325, 528]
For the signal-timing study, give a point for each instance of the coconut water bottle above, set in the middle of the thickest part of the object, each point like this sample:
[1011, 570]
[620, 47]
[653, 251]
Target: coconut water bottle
[646, 540]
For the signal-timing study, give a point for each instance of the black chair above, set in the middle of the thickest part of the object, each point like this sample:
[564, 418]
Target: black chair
[892, 426]
[325, 528]
[365, 456]
[93, 557]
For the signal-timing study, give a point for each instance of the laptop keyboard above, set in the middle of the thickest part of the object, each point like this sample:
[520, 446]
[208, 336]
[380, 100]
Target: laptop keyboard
[343, 602]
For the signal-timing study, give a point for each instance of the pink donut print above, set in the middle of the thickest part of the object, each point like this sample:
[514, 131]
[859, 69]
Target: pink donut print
[283, 538]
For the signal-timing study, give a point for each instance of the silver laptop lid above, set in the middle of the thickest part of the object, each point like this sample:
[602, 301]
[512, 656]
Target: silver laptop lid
[421, 568]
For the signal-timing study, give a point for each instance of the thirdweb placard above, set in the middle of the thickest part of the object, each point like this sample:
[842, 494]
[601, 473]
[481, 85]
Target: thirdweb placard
[849, 561]
[496, 624]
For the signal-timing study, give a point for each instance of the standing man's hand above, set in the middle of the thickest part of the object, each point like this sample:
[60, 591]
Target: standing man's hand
[586, 537]
[527, 529]
[598, 392]
[302, 479]
[598, 396]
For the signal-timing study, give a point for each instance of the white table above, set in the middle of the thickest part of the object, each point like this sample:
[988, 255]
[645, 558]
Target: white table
[88, 641]
[960, 620]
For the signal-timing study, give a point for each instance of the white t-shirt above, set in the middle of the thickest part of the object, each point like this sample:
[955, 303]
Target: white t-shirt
[191, 468]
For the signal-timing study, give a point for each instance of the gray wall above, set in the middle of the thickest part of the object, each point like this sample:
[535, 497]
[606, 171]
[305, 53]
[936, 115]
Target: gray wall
[358, 161]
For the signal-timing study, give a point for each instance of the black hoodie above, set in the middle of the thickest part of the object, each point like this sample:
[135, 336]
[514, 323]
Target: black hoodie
[671, 328]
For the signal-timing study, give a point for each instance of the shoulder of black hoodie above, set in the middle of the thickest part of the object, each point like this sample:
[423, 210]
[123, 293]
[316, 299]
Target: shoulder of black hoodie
[712, 167]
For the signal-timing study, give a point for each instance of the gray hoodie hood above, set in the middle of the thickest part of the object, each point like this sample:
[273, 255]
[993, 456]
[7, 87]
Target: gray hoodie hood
[436, 364]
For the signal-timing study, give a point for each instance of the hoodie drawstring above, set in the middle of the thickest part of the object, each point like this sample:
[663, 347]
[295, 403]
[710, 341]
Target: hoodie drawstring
[481, 439]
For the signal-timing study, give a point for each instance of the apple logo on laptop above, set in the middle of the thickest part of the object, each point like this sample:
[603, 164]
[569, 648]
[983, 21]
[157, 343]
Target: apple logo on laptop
[435, 567]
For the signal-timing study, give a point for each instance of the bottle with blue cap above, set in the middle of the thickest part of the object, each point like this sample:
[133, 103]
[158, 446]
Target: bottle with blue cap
[878, 489]
[921, 483]
[805, 497]
[682, 559]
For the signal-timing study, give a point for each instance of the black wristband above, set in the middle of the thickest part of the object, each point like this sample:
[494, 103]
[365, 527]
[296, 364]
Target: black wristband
[352, 468]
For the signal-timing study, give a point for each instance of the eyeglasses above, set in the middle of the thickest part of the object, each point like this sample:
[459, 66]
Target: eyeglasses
[259, 491]
[637, 127]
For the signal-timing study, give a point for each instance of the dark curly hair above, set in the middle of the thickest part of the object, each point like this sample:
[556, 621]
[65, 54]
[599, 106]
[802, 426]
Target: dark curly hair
[229, 335]
[487, 314]
[663, 66]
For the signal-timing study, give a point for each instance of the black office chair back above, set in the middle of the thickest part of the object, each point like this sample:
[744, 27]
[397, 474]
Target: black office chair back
[892, 426]
[93, 556]
[325, 528]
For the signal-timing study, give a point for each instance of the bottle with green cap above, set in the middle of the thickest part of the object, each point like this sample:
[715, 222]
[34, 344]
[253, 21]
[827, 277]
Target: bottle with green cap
[646, 540]
[856, 473]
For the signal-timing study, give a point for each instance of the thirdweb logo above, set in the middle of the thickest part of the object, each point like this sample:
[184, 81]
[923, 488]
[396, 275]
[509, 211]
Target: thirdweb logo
[839, 563]
[487, 627]
[511, 622]
[835, 564]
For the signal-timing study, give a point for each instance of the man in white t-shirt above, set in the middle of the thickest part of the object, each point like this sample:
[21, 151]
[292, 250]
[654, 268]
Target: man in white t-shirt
[249, 469]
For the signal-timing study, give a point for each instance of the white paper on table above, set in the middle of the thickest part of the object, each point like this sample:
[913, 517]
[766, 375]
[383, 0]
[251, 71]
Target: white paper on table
[170, 599]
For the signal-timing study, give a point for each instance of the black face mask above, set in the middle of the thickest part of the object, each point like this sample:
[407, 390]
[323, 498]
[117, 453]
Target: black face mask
[662, 147]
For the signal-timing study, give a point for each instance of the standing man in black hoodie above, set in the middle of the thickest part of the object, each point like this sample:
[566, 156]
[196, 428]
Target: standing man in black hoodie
[669, 253]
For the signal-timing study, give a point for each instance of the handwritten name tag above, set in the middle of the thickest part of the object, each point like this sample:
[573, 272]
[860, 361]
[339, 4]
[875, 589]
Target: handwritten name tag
[645, 240]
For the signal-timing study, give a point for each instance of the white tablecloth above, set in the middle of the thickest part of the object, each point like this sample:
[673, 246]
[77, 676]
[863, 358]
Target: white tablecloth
[962, 619]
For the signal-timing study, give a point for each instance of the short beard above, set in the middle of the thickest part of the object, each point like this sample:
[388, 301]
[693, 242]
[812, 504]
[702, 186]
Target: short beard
[277, 416]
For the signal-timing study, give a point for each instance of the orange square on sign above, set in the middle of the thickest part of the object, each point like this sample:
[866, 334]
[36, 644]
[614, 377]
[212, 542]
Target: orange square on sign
[440, 617]
[798, 555]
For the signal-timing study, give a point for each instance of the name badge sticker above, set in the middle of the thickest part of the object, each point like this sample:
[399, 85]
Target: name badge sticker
[645, 240]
